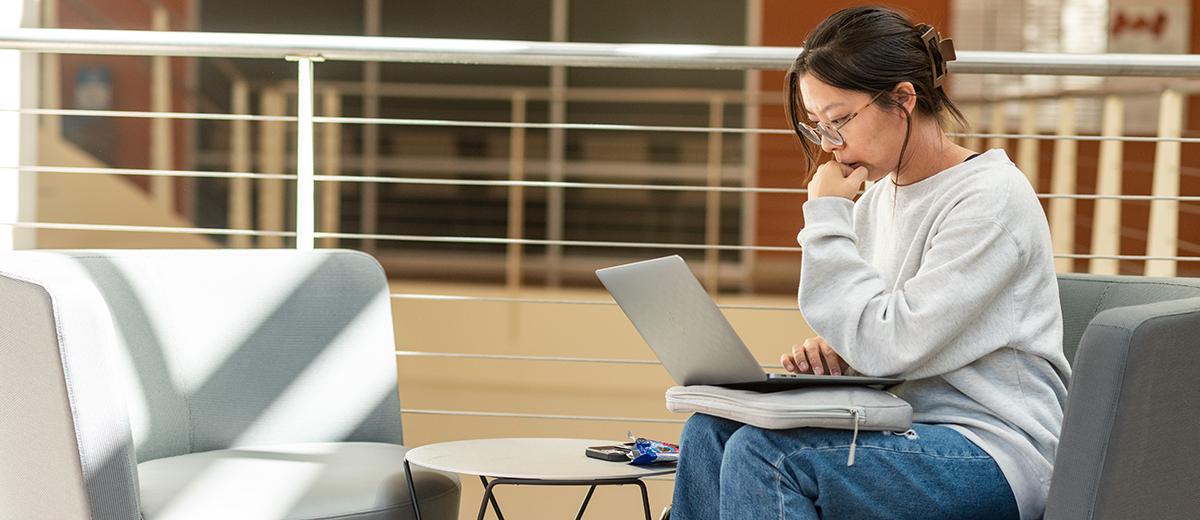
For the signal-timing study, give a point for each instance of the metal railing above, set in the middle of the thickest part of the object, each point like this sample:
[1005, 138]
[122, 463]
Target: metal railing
[308, 51]
[511, 52]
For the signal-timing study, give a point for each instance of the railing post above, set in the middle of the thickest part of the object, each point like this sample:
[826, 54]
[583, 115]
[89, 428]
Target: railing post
[273, 149]
[331, 192]
[161, 140]
[1163, 231]
[1062, 182]
[305, 161]
[1028, 149]
[516, 194]
[712, 199]
[239, 161]
[1106, 220]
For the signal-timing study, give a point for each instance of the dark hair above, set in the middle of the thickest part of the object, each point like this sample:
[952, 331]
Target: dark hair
[872, 49]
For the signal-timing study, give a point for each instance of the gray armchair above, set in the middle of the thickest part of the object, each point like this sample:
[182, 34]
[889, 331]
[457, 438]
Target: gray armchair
[202, 384]
[1128, 445]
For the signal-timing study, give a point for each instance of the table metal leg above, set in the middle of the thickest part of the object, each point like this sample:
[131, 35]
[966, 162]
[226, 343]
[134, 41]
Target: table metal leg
[645, 497]
[412, 489]
[490, 496]
[586, 499]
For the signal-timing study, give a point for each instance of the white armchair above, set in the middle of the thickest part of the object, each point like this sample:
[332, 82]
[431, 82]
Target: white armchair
[202, 384]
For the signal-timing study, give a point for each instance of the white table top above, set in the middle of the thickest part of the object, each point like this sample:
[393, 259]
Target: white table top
[540, 459]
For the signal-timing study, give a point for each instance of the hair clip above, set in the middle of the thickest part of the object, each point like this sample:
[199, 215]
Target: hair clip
[944, 54]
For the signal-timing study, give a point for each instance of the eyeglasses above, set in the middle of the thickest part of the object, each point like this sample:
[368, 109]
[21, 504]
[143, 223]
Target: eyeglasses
[832, 132]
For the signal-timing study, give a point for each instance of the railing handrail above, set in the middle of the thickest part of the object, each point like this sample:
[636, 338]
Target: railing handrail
[515, 52]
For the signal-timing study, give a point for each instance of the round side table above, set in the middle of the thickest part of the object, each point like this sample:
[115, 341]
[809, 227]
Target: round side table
[536, 462]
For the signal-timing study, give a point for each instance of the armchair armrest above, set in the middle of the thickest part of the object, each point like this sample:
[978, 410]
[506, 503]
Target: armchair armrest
[1126, 448]
[65, 442]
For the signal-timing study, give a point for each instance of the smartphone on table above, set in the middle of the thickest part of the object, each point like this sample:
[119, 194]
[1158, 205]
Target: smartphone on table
[612, 453]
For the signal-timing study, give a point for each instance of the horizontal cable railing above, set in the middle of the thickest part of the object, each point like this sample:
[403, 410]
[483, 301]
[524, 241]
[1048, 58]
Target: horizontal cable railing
[518, 415]
[494, 241]
[570, 243]
[551, 126]
[310, 49]
[558, 301]
[147, 229]
[511, 357]
[150, 172]
[502, 183]
[556, 359]
[146, 114]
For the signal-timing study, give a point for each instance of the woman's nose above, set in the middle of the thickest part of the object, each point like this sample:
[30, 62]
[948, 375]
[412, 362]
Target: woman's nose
[828, 145]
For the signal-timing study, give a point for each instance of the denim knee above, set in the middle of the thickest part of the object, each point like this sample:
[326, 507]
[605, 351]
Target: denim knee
[706, 429]
[749, 443]
[757, 455]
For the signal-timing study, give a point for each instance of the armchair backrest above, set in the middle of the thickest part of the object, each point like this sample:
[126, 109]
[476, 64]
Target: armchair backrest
[224, 348]
[1126, 444]
[1083, 296]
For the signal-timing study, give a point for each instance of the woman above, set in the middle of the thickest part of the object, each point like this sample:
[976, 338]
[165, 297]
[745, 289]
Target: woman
[941, 273]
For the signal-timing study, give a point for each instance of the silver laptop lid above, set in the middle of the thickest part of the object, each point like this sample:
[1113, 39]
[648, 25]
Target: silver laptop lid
[676, 317]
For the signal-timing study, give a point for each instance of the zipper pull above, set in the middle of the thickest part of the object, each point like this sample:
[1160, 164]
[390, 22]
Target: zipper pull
[856, 414]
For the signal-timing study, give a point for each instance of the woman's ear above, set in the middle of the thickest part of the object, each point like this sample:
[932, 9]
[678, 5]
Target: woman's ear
[904, 94]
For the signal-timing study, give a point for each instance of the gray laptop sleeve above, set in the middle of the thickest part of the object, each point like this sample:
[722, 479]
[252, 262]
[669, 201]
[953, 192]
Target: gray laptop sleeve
[839, 407]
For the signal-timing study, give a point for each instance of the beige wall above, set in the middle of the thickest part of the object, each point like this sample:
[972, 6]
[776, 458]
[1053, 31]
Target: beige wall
[98, 199]
[548, 387]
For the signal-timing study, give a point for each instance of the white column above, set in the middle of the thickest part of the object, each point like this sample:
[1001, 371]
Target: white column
[997, 125]
[712, 199]
[1106, 220]
[750, 111]
[516, 195]
[557, 143]
[369, 191]
[239, 161]
[1164, 214]
[272, 144]
[162, 149]
[1027, 149]
[18, 133]
[516, 214]
[331, 164]
[974, 115]
[1062, 182]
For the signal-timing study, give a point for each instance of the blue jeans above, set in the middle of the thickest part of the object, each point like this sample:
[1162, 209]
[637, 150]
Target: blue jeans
[734, 471]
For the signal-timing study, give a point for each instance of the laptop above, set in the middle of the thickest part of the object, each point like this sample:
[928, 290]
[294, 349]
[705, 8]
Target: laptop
[690, 336]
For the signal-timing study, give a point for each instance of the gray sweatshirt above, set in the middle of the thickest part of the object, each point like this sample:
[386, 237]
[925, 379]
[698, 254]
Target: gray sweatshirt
[950, 284]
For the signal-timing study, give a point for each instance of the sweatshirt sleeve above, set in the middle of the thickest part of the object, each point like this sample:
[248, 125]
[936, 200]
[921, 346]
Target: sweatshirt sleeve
[885, 332]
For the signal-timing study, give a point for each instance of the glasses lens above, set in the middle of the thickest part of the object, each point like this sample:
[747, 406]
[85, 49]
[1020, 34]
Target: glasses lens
[810, 134]
[833, 136]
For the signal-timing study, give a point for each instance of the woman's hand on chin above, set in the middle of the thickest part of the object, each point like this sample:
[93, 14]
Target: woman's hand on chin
[834, 179]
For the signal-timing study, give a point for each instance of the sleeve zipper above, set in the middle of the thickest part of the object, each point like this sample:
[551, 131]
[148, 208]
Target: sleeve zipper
[856, 414]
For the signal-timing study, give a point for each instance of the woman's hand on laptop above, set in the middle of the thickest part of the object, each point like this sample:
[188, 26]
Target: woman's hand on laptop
[813, 356]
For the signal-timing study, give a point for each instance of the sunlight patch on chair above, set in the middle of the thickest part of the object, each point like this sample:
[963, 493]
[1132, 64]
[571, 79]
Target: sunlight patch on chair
[235, 488]
[202, 346]
[323, 390]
